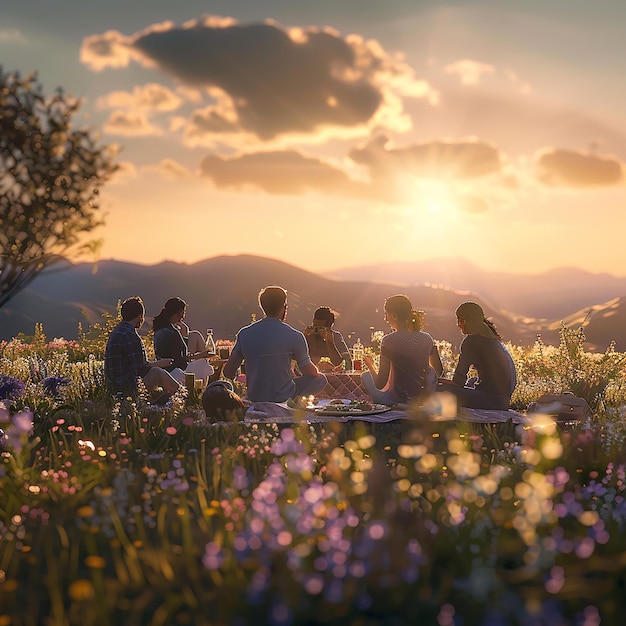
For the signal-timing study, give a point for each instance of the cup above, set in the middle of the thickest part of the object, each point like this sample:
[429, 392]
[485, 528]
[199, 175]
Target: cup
[224, 352]
[190, 381]
[198, 385]
[357, 365]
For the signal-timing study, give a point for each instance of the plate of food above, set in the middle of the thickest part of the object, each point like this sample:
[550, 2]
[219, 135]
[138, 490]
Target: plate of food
[342, 408]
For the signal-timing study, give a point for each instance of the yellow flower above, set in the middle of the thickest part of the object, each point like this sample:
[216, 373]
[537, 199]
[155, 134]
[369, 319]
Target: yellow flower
[96, 562]
[82, 590]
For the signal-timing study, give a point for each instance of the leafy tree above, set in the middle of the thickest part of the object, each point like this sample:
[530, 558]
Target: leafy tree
[50, 175]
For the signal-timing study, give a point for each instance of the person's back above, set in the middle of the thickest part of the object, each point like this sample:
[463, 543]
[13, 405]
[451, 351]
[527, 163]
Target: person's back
[409, 353]
[268, 348]
[492, 361]
[482, 349]
[124, 359]
[169, 343]
[409, 358]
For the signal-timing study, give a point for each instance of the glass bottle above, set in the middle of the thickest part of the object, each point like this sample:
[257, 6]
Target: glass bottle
[210, 343]
[358, 350]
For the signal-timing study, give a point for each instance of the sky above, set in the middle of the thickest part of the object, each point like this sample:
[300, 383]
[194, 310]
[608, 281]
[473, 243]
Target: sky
[339, 133]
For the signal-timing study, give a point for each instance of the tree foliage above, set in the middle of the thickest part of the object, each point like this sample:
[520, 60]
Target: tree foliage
[50, 176]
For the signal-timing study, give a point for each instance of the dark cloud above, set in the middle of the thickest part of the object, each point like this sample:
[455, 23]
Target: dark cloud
[277, 84]
[279, 80]
[578, 169]
[280, 172]
[209, 121]
[436, 159]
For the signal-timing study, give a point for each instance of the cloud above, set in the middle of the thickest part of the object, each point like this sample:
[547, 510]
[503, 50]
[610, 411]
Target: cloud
[170, 169]
[436, 159]
[396, 182]
[470, 72]
[472, 204]
[151, 96]
[12, 35]
[559, 167]
[284, 172]
[111, 49]
[279, 80]
[130, 124]
[125, 173]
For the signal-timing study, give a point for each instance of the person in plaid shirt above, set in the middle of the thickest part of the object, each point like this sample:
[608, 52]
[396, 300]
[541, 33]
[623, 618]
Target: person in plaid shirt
[125, 359]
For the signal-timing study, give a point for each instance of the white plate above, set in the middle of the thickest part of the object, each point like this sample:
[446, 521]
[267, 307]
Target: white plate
[348, 407]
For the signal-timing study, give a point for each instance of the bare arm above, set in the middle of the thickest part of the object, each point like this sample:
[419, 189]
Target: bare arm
[382, 375]
[309, 370]
[333, 354]
[435, 361]
[234, 361]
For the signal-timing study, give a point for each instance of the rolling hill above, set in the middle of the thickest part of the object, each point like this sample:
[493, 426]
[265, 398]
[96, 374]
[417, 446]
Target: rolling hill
[221, 293]
[551, 295]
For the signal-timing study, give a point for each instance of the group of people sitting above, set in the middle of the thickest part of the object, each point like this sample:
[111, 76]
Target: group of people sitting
[282, 363]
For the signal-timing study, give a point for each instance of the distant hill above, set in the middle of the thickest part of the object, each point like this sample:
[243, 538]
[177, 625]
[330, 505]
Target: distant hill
[222, 294]
[603, 323]
[551, 295]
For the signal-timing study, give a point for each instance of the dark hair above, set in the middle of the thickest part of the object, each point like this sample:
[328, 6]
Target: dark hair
[325, 314]
[272, 300]
[131, 308]
[172, 306]
[401, 306]
[220, 402]
[493, 328]
[476, 322]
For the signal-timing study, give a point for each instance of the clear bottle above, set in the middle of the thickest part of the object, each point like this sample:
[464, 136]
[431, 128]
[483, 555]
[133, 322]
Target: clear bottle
[210, 343]
[358, 350]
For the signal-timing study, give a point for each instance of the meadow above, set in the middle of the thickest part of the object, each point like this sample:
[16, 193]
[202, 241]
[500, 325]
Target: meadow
[129, 514]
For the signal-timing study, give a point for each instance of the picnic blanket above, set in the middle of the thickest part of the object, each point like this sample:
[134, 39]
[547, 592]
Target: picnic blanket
[281, 413]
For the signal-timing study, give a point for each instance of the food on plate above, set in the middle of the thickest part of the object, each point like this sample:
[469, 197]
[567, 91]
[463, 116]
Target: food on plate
[350, 406]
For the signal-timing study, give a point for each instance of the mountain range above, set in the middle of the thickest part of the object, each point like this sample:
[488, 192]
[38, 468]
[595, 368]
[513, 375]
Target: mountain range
[550, 295]
[221, 293]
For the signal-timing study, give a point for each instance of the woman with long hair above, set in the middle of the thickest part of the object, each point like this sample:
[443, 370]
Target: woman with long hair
[409, 358]
[172, 338]
[482, 349]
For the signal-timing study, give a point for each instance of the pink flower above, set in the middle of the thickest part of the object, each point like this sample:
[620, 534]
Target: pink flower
[23, 421]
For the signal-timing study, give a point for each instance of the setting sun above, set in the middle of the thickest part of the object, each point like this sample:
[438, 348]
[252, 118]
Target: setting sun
[265, 124]
[438, 198]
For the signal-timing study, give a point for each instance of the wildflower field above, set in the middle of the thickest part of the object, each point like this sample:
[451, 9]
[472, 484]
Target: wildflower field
[132, 514]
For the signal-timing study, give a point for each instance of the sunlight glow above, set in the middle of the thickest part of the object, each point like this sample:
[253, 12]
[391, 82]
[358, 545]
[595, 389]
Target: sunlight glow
[437, 197]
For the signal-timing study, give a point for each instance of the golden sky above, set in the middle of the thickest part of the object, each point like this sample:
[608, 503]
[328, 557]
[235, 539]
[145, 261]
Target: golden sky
[346, 133]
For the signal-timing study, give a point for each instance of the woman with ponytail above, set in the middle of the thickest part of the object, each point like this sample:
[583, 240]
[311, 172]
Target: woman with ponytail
[483, 349]
[409, 359]
[172, 339]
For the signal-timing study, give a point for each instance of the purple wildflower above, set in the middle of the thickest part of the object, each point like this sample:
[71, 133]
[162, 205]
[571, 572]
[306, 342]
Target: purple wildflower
[52, 383]
[10, 388]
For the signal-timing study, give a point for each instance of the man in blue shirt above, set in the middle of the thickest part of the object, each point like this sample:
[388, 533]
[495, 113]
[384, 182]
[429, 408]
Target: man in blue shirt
[125, 359]
[268, 348]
